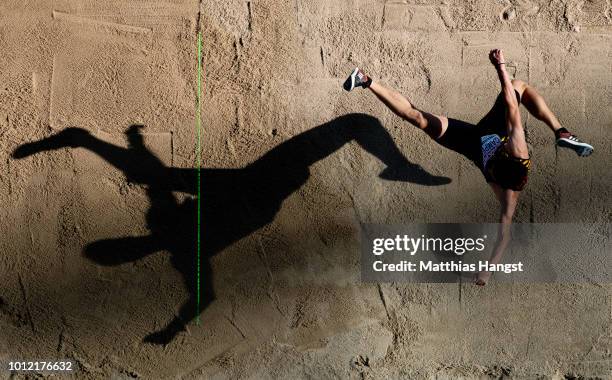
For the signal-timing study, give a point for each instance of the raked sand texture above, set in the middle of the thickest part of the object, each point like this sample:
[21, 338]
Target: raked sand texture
[288, 298]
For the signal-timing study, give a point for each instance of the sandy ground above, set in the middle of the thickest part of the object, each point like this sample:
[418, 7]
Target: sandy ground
[281, 224]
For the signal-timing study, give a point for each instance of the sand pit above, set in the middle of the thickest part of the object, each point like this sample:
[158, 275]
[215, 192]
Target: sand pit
[97, 223]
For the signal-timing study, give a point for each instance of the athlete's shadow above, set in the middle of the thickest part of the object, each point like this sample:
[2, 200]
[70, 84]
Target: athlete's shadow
[234, 202]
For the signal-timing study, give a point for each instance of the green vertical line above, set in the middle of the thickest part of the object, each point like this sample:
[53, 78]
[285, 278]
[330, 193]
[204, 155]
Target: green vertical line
[198, 165]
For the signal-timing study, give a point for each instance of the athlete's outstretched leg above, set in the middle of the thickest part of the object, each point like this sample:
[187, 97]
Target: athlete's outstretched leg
[433, 125]
[137, 163]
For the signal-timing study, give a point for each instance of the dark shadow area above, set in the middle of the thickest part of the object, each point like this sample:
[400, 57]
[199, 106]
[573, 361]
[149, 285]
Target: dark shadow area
[234, 202]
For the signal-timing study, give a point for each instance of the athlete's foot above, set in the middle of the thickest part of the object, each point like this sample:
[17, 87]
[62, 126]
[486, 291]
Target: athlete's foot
[567, 140]
[482, 278]
[413, 173]
[357, 79]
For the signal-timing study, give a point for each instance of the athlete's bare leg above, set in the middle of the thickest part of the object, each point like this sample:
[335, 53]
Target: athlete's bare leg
[433, 125]
[536, 105]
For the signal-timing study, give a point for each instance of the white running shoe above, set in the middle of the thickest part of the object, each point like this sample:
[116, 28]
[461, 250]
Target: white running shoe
[567, 140]
[356, 79]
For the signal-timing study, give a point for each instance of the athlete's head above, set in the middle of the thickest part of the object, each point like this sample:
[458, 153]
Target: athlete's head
[509, 172]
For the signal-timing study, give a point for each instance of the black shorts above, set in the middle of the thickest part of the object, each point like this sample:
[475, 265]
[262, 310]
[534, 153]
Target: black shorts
[464, 138]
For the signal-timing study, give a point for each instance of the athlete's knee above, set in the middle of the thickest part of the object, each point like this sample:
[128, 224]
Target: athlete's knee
[420, 120]
[415, 117]
[519, 85]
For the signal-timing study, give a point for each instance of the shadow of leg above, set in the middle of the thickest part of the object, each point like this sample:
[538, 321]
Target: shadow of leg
[68, 138]
[376, 140]
[301, 151]
[189, 310]
[413, 173]
[167, 334]
[111, 252]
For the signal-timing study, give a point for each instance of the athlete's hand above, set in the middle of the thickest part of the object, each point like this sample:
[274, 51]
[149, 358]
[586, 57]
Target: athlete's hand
[496, 56]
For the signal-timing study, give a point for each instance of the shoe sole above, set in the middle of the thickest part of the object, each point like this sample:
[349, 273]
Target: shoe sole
[349, 83]
[581, 149]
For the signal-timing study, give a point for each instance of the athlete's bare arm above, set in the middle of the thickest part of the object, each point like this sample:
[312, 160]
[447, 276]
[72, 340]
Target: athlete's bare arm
[517, 144]
[508, 200]
[513, 118]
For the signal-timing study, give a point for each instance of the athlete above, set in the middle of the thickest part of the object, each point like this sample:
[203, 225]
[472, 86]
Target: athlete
[496, 145]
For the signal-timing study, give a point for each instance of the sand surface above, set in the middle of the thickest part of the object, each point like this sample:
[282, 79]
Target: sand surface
[283, 201]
